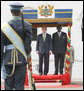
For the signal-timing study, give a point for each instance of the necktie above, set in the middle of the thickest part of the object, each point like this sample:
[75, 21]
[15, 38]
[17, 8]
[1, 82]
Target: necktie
[44, 37]
[59, 34]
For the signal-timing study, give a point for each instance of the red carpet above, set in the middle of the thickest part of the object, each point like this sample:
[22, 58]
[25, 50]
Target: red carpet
[65, 78]
[63, 86]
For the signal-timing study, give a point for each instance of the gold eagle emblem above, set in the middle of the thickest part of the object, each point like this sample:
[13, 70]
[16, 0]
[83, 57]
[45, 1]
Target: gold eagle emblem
[46, 10]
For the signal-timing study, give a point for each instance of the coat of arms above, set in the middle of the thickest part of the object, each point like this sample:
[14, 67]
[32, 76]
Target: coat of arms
[46, 10]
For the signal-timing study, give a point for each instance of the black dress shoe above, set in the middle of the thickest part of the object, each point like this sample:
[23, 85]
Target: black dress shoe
[45, 73]
[61, 73]
[56, 74]
[40, 74]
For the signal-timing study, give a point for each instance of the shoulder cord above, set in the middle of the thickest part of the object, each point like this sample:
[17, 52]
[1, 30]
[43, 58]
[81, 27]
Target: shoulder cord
[13, 58]
[14, 55]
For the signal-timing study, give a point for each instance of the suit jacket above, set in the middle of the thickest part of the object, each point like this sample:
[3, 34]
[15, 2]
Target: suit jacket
[44, 47]
[25, 35]
[59, 44]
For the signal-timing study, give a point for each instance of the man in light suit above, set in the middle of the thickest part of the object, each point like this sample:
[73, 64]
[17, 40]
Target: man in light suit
[59, 46]
[43, 48]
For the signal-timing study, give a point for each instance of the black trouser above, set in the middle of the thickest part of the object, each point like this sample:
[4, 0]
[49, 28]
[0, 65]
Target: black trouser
[17, 81]
[59, 58]
[46, 63]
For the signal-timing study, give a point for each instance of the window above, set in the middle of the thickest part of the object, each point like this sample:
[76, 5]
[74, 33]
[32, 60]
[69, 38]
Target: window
[82, 34]
[82, 29]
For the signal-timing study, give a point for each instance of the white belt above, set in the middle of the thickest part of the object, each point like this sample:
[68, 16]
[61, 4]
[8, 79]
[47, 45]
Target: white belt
[10, 47]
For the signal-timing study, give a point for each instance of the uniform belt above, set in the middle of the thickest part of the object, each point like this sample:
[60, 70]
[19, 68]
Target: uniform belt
[10, 47]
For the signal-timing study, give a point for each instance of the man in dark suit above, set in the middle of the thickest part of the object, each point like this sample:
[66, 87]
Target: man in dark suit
[59, 46]
[43, 48]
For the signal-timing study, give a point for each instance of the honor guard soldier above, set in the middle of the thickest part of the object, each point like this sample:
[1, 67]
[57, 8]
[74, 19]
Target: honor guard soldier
[16, 36]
